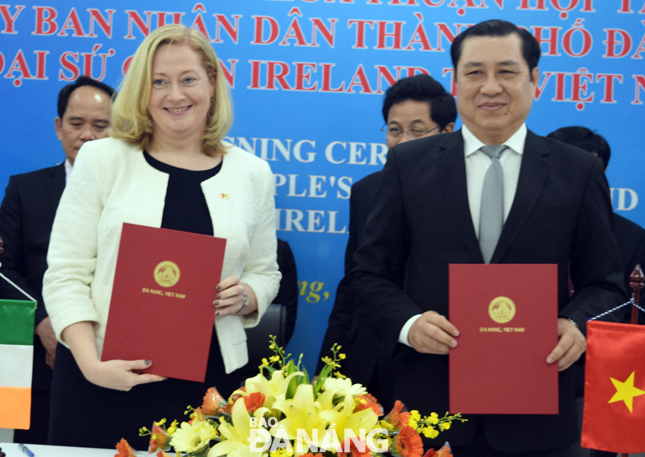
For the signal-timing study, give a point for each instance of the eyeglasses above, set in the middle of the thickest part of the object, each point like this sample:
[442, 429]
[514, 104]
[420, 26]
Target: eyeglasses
[395, 132]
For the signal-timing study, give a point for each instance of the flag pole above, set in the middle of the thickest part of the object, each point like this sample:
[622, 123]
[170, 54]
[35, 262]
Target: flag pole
[636, 280]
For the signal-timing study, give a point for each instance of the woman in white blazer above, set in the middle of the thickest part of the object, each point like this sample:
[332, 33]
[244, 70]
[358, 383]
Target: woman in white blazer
[165, 165]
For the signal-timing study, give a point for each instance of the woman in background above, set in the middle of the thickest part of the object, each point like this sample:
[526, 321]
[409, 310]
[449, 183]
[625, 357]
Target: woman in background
[165, 165]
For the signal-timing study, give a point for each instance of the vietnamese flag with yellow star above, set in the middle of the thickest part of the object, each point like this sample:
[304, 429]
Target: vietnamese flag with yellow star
[614, 409]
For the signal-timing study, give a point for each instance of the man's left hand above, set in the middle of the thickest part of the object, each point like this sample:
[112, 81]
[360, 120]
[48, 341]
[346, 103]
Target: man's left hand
[570, 347]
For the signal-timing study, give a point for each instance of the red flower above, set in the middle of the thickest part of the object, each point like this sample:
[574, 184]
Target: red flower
[396, 417]
[443, 452]
[123, 449]
[368, 401]
[158, 438]
[212, 402]
[408, 443]
[253, 401]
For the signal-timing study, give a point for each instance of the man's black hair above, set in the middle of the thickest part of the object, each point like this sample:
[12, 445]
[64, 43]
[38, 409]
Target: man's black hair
[422, 88]
[584, 138]
[66, 92]
[498, 28]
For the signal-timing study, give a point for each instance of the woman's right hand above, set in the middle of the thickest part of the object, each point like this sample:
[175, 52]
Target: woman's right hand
[111, 374]
[118, 374]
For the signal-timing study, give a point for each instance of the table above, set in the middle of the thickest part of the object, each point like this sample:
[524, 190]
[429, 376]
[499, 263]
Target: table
[41, 450]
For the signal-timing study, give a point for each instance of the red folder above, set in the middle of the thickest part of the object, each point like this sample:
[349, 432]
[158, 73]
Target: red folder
[162, 300]
[507, 319]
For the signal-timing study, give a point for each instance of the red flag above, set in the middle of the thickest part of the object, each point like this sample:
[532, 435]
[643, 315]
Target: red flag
[614, 411]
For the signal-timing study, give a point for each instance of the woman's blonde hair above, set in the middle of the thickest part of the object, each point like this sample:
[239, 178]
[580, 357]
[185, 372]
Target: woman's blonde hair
[131, 120]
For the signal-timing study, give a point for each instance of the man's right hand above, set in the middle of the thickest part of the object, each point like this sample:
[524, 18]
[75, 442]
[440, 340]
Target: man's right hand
[432, 333]
[47, 337]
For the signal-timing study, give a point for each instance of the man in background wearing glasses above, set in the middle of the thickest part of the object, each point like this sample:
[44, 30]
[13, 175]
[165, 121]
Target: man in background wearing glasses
[414, 107]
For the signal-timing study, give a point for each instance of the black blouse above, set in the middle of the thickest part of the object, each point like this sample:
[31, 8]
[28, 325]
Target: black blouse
[185, 206]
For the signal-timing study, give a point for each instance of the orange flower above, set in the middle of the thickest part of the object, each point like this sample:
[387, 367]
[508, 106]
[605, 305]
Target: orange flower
[368, 401]
[408, 443]
[196, 414]
[353, 450]
[212, 402]
[158, 438]
[443, 452]
[396, 417]
[162, 454]
[123, 449]
[253, 401]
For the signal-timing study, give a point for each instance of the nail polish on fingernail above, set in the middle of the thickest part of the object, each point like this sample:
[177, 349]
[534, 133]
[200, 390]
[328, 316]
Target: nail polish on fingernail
[218, 288]
[148, 362]
[215, 303]
[217, 314]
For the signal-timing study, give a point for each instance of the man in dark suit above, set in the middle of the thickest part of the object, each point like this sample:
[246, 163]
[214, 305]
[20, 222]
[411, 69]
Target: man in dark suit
[629, 236]
[414, 107]
[427, 213]
[26, 218]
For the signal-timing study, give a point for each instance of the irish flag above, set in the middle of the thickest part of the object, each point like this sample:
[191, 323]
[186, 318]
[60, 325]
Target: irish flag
[16, 358]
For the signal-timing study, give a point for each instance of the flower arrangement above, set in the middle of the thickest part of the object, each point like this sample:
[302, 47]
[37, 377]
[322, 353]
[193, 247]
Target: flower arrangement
[280, 413]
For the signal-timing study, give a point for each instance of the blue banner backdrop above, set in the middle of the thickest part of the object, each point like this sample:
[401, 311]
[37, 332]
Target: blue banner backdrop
[307, 78]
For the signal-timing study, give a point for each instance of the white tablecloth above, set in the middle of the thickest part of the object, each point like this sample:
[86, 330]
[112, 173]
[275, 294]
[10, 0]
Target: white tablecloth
[39, 450]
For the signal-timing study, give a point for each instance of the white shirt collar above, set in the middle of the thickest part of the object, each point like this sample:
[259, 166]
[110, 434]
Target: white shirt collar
[472, 144]
[68, 170]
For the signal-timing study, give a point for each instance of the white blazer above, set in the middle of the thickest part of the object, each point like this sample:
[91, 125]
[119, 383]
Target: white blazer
[111, 184]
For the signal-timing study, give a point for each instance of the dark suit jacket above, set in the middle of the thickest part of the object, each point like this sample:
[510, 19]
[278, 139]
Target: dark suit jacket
[26, 218]
[288, 291]
[631, 247]
[420, 223]
[345, 325]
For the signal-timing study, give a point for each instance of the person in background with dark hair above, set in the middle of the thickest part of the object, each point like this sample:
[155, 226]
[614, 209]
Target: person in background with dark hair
[430, 210]
[413, 107]
[629, 236]
[26, 218]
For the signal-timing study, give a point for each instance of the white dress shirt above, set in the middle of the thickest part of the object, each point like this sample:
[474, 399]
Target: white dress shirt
[477, 163]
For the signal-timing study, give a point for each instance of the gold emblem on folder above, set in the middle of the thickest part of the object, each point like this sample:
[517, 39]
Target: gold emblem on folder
[501, 310]
[167, 273]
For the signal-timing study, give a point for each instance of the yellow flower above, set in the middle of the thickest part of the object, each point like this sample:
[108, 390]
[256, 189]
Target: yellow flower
[444, 425]
[343, 387]
[342, 356]
[161, 422]
[412, 423]
[345, 419]
[414, 414]
[274, 358]
[236, 436]
[303, 413]
[172, 428]
[434, 418]
[281, 452]
[430, 432]
[192, 438]
[265, 362]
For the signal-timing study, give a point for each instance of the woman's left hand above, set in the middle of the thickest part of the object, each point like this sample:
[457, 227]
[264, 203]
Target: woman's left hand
[231, 296]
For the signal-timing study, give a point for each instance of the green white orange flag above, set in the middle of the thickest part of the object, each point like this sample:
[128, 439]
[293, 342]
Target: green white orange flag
[614, 409]
[16, 358]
